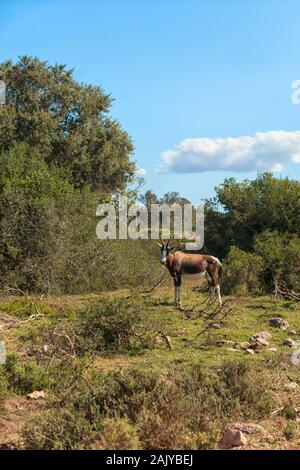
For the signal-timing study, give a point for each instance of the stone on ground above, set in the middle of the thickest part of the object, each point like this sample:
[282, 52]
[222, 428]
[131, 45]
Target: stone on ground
[232, 438]
[278, 322]
[36, 395]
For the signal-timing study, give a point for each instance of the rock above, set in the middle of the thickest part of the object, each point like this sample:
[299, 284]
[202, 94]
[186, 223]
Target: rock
[245, 345]
[249, 428]
[291, 386]
[288, 342]
[272, 349]
[292, 333]
[249, 351]
[255, 346]
[277, 322]
[263, 342]
[262, 335]
[231, 349]
[8, 446]
[232, 438]
[36, 395]
[260, 340]
[216, 326]
[258, 345]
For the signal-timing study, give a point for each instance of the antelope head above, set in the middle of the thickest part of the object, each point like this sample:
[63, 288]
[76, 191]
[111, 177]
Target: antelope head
[165, 248]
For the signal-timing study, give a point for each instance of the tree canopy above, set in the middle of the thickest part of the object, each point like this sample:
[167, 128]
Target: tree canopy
[242, 210]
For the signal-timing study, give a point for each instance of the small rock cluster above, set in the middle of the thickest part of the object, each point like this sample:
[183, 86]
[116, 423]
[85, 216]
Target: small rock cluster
[235, 437]
[257, 342]
[260, 340]
[278, 322]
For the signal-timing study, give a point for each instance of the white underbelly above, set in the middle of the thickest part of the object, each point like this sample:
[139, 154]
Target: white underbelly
[194, 276]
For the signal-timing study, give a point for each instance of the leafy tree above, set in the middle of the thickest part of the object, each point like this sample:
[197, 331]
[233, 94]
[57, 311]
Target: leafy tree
[170, 198]
[66, 123]
[149, 198]
[249, 208]
[174, 197]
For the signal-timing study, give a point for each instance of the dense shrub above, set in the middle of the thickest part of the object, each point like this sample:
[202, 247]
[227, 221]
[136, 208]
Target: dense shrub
[281, 258]
[134, 409]
[246, 389]
[60, 429]
[117, 434]
[111, 325]
[107, 326]
[25, 377]
[276, 258]
[3, 386]
[48, 237]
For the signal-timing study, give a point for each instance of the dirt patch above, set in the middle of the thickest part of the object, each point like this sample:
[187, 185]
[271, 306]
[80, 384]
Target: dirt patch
[13, 415]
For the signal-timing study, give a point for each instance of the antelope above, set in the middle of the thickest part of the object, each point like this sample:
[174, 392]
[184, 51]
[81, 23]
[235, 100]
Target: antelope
[191, 266]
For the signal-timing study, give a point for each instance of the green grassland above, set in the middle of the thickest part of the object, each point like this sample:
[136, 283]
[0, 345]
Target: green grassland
[130, 370]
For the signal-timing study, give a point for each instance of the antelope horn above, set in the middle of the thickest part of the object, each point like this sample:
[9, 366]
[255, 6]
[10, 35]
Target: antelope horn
[169, 241]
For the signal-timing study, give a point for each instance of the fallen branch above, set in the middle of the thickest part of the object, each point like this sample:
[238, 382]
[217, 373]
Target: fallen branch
[210, 325]
[282, 291]
[166, 339]
[15, 321]
[153, 287]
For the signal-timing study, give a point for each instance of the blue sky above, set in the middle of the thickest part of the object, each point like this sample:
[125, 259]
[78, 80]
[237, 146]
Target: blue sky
[210, 77]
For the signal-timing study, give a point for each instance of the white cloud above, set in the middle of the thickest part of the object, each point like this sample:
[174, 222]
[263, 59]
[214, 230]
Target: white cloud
[267, 151]
[140, 172]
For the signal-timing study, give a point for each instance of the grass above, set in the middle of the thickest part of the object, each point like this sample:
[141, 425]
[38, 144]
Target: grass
[50, 346]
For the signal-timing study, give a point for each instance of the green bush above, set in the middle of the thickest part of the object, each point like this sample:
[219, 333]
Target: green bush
[246, 390]
[111, 324]
[107, 326]
[117, 434]
[59, 429]
[26, 377]
[281, 258]
[134, 409]
[3, 386]
[241, 272]
[48, 239]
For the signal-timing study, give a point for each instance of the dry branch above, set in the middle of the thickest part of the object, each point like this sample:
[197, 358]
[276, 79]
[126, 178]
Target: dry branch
[166, 339]
[151, 289]
[281, 291]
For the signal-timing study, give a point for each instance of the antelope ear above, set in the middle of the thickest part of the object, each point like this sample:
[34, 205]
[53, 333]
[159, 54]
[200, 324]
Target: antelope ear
[159, 244]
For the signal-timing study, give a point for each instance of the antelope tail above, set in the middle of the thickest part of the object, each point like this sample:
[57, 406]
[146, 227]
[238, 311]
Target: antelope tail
[220, 269]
